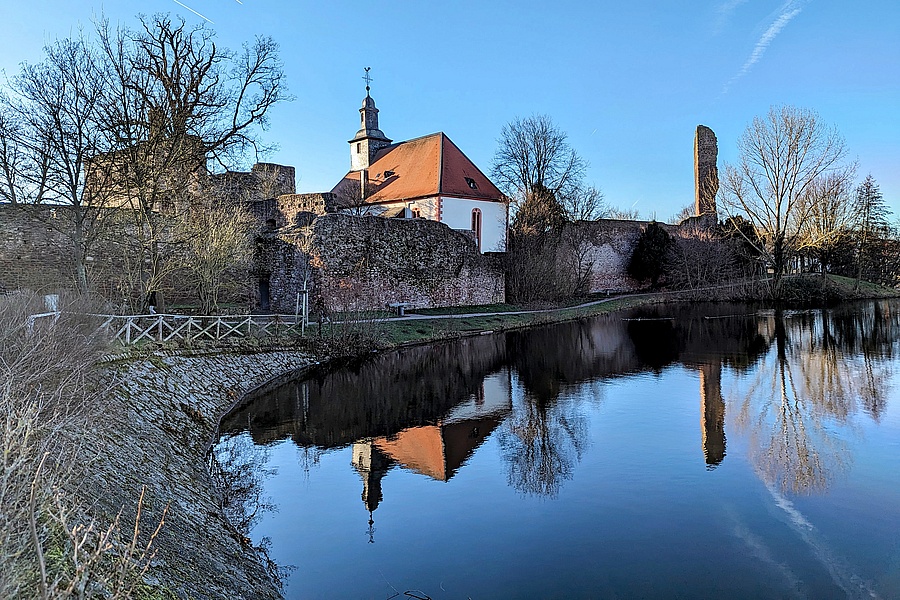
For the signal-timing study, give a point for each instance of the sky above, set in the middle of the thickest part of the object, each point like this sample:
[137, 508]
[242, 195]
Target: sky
[627, 81]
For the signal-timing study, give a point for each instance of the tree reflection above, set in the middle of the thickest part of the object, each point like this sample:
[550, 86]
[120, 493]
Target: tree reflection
[541, 443]
[811, 380]
[238, 468]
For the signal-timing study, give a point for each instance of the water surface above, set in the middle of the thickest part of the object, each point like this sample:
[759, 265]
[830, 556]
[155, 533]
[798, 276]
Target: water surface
[713, 451]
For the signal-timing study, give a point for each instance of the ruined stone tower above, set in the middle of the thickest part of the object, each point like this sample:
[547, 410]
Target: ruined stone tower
[712, 413]
[706, 173]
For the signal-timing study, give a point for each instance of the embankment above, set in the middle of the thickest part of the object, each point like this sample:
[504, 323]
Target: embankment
[171, 405]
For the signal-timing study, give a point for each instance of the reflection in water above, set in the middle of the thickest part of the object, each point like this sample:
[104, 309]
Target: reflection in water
[428, 409]
[786, 386]
[811, 380]
[238, 469]
[437, 450]
[541, 443]
[712, 414]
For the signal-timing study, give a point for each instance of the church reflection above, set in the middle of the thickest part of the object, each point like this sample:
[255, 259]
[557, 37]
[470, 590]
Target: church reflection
[436, 450]
[428, 409]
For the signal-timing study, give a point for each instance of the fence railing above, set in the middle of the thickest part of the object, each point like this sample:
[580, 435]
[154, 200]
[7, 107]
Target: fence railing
[131, 329]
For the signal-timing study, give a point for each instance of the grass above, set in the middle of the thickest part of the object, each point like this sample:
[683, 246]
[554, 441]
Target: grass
[398, 333]
[866, 289]
[504, 307]
[357, 333]
[814, 290]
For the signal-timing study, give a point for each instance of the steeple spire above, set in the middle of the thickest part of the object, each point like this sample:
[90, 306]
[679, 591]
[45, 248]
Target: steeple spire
[369, 139]
[368, 79]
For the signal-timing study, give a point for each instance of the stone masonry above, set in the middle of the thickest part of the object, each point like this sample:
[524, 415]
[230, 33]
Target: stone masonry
[706, 172]
[168, 408]
[363, 262]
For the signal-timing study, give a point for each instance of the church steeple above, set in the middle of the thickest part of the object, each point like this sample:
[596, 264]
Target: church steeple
[369, 139]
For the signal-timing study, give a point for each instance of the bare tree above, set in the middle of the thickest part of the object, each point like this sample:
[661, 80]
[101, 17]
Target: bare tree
[12, 154]
[685, 213]
[781, 155]
[218, 241]
[179, 103]
[622, 214]
[701, 258]
[48, 134]
[533, 153]
[585, 204]
[352, 198]
[831, 216]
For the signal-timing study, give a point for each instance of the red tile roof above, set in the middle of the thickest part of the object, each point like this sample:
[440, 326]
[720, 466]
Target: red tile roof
[424, 167]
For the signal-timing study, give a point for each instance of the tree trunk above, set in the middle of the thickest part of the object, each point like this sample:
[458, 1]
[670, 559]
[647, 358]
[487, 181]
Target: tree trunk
[80, 251]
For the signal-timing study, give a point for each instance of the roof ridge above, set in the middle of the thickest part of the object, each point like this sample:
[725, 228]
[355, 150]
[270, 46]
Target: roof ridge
[416, 139]
[440, 189]
[471, 162]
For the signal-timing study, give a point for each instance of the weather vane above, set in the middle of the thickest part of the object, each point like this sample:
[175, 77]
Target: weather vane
[368, 79]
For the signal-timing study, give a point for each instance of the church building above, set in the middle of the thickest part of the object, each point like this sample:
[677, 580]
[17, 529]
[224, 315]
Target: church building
[426, 178]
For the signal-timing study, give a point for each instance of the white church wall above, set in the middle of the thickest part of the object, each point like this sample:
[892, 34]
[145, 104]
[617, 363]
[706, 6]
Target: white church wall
[457, 214]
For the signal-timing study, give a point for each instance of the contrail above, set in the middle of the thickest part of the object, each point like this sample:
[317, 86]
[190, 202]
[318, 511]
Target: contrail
[724, 12]
[192, 10]
[790, 10]
[842, 573]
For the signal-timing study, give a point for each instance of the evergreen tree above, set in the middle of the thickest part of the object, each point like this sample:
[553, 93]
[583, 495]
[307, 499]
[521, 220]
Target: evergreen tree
[873, 233]
[651, 255]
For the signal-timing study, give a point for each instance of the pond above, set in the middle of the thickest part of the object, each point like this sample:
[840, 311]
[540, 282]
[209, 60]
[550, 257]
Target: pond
[705, 451]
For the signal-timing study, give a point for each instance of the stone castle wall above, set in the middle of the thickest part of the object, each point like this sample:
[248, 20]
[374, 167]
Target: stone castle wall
[363, 262]
[605, 247]
[291, 209]
[33, 255]
[36, 255]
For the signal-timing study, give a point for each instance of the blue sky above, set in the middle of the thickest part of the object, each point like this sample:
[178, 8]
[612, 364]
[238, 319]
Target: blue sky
[629, 82]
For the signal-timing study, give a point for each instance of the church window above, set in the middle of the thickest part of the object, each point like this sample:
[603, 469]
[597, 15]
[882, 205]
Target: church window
[476, 226]
[358, 147]
[471, 183]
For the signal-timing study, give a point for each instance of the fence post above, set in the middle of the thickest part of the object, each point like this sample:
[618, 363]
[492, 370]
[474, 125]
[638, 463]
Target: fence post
[305, 316]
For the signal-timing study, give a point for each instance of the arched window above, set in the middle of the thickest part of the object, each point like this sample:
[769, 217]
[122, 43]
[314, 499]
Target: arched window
[476, 226]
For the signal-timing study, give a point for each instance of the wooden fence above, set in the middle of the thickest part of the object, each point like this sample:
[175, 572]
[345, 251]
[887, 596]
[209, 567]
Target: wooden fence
[131, 329]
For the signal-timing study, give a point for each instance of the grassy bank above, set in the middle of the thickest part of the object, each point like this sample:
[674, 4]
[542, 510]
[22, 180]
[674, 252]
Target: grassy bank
[472, 321]
[451, 322]
[356, 334]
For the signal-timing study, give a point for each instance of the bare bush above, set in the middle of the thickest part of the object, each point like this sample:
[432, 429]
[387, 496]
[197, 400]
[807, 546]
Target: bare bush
[701, 258]
[49, 391]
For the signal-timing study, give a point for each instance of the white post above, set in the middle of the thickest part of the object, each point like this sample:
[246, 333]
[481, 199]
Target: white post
[305, 317]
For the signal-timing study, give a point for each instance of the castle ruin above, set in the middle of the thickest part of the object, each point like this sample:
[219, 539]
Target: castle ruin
[706, 173]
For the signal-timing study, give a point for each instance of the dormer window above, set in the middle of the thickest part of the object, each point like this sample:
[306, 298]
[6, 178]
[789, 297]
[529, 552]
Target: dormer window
[471, 183]
[388, 174]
